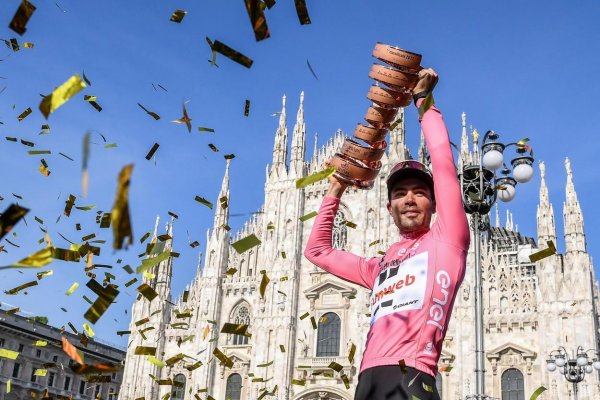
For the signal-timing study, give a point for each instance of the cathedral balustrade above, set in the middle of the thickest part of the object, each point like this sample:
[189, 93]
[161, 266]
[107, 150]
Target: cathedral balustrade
[315, 364]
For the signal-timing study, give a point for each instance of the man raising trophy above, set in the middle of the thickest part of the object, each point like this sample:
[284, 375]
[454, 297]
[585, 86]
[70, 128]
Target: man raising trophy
[415, 283]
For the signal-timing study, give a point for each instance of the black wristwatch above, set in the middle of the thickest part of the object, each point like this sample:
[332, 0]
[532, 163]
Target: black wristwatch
[420, 95]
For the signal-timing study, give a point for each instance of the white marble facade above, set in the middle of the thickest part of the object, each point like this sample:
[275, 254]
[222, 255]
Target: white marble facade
[530, 309]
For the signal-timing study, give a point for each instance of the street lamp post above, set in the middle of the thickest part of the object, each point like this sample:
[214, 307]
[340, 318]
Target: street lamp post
[573, 368]
[480, 189]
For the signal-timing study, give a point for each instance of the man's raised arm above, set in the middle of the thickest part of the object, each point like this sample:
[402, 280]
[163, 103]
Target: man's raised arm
[320, 252]
[451, 216]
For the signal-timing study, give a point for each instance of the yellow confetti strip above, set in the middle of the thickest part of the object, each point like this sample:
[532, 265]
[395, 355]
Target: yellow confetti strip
[11, 355]
[40, 343]
[263, 284]
[246, 243]
[537, 393]
[119, 215]
[316, 177]
[308, 216]
[156, 361]
[88, 329]
[61, 94]
[72, 289]
[540, 255]
[40, 372]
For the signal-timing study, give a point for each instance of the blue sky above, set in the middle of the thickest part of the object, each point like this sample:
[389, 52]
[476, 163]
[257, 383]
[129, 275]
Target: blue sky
[524, 69]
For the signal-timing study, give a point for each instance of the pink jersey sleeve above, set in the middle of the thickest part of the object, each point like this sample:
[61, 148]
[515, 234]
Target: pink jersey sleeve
[342, 264]
[451, 219]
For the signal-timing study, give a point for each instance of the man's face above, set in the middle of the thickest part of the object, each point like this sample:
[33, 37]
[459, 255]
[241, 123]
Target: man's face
[411, 205]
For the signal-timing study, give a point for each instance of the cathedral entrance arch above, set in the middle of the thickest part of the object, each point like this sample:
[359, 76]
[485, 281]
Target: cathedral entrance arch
[323, 393]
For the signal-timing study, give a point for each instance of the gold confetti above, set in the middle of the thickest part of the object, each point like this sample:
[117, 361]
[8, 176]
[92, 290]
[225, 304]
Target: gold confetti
[335, 366]
[427, 387]
[313, 322]
[61, 94]
[426, 105]
[178, 15]
[24, 114]
[349, 224]
[312, 71]
[145, 351]
[246, 243]
[185, 120]
[540, 255]
[374, 242]
[150, 113]
[147, 291]
[11, 355]
[202, 200]
[235, 329]
[345, 380]
[318, 176]
[403, 366]
[247, 108]
[231, 54]
[152, 151]
[156, 361]
[204, 129]
[352, 352]
[226, 361]
[40, 343]
[306, 314]
[21, 287]
[10, 217]
[120, 212]
[72, 289]
[213, 61]
[93, 103]
[299, 382]
[88, 329]
[21, 17]
[213, 147]
[537, 393]
[231, 271]
[106, 296]
[263, 284]
[302, 12]
[282, 348]
[308, 216]
[256, 14]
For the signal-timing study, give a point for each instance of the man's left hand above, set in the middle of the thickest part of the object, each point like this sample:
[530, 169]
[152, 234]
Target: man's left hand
[428, 78]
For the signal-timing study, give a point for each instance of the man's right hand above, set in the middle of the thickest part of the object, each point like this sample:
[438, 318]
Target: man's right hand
[336, 187]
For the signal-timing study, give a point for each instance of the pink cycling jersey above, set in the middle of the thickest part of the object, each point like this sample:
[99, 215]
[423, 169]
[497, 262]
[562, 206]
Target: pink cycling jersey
[414, 285]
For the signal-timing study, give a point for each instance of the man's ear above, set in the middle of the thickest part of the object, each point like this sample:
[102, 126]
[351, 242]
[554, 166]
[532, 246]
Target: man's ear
[433, 207]
[389, 208]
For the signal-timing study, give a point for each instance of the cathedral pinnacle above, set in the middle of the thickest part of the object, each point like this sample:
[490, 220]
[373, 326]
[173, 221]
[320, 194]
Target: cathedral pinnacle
[298, 141]
[280, 145]
[546, 227]
[572, 216]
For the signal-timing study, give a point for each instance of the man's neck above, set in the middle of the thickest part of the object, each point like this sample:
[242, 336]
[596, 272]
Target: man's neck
[412, 234]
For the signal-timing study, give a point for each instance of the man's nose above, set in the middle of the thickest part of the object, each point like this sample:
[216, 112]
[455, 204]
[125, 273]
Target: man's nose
[409, 197]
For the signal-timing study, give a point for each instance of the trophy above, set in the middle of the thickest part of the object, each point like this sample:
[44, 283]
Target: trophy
[358, 161]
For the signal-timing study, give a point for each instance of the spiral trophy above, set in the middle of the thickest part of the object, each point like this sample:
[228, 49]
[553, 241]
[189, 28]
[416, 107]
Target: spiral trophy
[358, 161]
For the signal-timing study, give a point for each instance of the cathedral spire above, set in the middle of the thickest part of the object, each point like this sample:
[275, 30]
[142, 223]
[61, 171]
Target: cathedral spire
[546, 227]
[316, 148]
[573, 218]
[397, 147]
[464, 142]
[298, 141]
[497, 215]
[222, 212]
[423, 154]
[280, 146]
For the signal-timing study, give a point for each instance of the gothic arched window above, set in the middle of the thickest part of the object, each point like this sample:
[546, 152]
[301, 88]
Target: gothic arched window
[340, 231]
[178, 388]
[371, 218]
[328, 336]
[234, 387]
[241, 316]
[512, 385]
